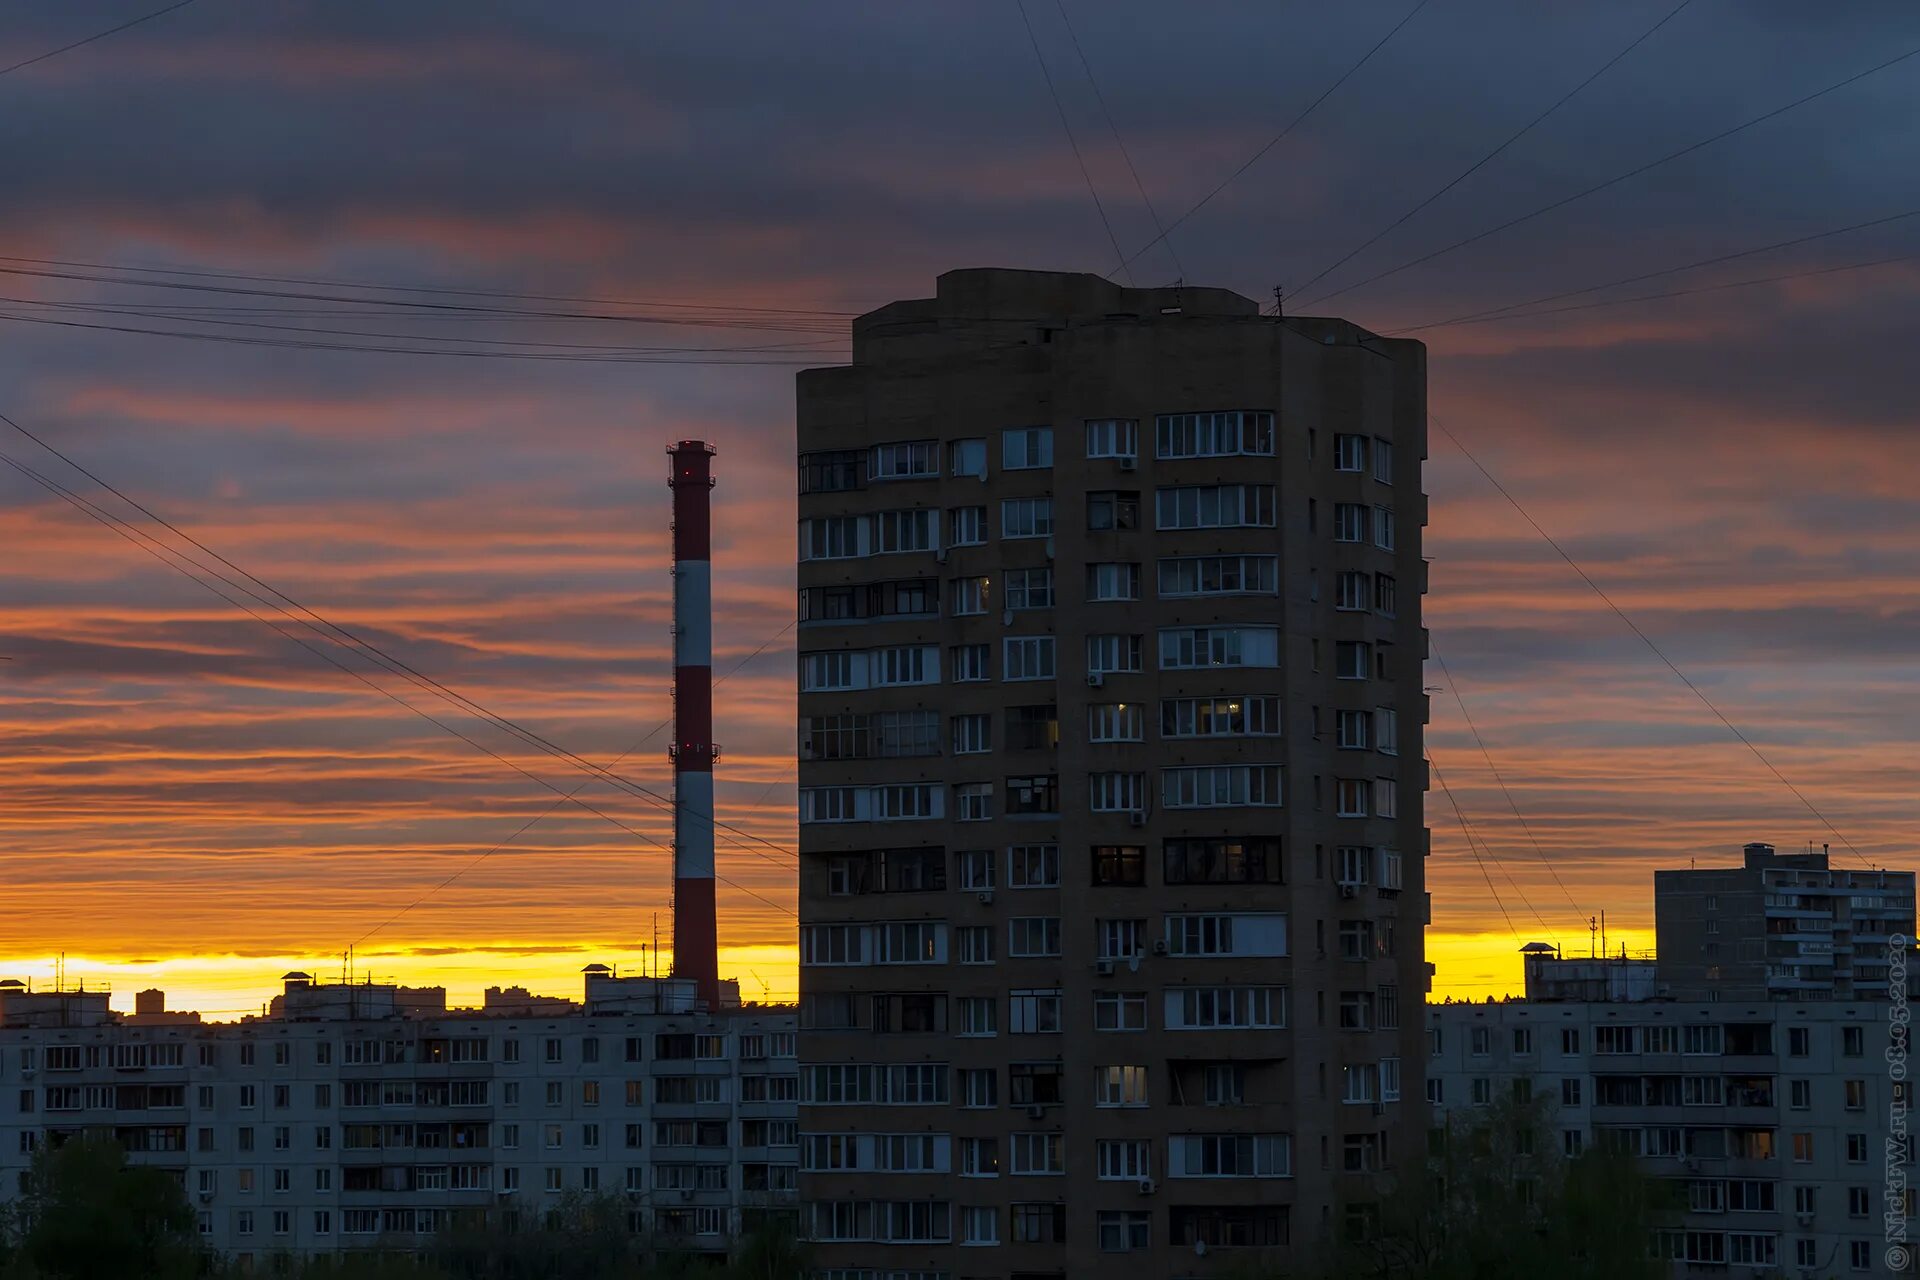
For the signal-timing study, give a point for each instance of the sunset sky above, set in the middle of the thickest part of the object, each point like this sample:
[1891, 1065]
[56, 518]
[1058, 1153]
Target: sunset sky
[190, 800]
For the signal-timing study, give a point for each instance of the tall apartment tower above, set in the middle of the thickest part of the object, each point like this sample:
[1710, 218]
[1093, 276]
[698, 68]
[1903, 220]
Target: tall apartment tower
[1111, 781]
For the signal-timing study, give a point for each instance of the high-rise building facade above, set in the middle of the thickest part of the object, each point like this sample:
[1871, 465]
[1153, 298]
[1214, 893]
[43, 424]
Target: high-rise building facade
[1780, 926]
[1111, 781]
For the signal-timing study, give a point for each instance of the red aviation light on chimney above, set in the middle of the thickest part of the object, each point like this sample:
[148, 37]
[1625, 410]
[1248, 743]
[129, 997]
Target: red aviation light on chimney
[696, 948]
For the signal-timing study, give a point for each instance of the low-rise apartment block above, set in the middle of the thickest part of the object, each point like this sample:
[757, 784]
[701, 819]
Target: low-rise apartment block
[1772, 1118]
[359, 1113]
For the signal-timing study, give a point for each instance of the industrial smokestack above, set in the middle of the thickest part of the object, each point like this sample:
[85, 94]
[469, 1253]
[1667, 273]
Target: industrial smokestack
[695, 936]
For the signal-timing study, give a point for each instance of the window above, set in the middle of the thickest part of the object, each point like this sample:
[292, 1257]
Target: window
[1213, 435]
[1116, 722]
[1123, 1159]
[1384, 602]
[832, 471]
[971, 662]
[1028, 658]
[1124, 1230]
[1033, 866]
[1108, 654]
[979, 1224]
[979, 1015]
[975, 868]
[1188, 648]
[1209, 1008]
[967, 458]
[1108, 581]
[1353, 730]
[967, 597]
[1119, 864]
[1231, 716]
[1033, 936]
[1225, 1084]
[1026, 517]
[1120, 939]
[1119, 1086]
[1383, 528]
[906, 461]
[1218, 576]
[1113, 510]
[1042, 1223]
[1033, 795]
[967, 526]
[1117, 792]
[978, 1087]
[1349, 452]
[1120, 1011]
[1038, 1153]
[979, 1157]
[972, 734]
[1353, 660]
[1353, 592]
[1803, 1148]
[1852, 1042]
[1222, 506]
[1383, 460]
[1854, 1092]
[1113, 438]
[1221, 786]
[1026, 448]
[972, 801]
[1029, 588]
[1350, 521]
[1221, 861]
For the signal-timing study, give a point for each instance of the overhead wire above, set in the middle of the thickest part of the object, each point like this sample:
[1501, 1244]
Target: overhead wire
[578, 788]
[1484, 160]
[1648, 640]
[1466, 829]
[98, 35]
[1118, 141]
[321, 626]
[1280, 137]
[1453, 687]
[1614, 181]
[1517, 307]
[1053, 92]
[179, 561]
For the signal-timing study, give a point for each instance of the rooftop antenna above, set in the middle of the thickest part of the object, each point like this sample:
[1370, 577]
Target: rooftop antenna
[1593, 923]
[1279, 299]
[766, 996]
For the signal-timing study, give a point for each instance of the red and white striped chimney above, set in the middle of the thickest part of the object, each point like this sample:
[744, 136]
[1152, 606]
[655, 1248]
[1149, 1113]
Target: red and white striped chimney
[695, 935]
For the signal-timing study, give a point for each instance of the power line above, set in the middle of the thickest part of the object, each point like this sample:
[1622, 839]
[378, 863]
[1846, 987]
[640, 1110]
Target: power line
[1617, 179]
[430, 289]
[555, 806]
[1453, 687]
[1119, 142]
[1473, 845]
[1648, 641]
[1279, 137]
[173, 559]
[98, 35]
[1079, 159]
[1498, 313]
[300, 345]
[1473, 168]
[394, 665]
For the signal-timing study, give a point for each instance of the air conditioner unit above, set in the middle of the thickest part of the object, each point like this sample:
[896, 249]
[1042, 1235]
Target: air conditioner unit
[1349, 890]
[206, 1197]
[1103, 967]
[1803, 1219]
[1146, 1187]
[940, 555]
[986, 897]
[1036, 1112]
[1095, 679]
[686, 1195]
[1128, 462]
[1136, 819]
[1159, 946]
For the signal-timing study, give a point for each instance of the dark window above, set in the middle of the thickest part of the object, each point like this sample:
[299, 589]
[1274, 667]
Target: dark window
[1033, 728]
[1034, 1083]
[1209, 861]
[1119, 864]
[1038, 793]
[833, 471]
[1039, 1223]
[914, 1012]
[1114, 509]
